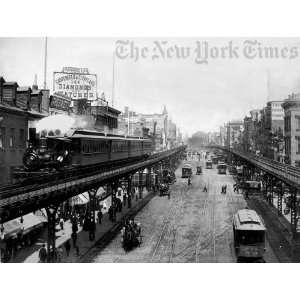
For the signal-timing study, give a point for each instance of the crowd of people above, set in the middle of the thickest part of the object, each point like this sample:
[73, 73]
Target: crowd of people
[82, 218]
[131, 234]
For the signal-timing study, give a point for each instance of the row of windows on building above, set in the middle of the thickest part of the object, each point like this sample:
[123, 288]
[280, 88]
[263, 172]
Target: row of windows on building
[288, 144]
[9, 137]
[287, 123]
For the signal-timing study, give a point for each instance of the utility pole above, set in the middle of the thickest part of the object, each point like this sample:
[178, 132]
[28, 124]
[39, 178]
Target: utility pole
[45, 64]
[128, 125]
[113, 81]
[268, 85]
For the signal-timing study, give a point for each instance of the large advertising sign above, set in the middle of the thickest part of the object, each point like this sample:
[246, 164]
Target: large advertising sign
[75, 83]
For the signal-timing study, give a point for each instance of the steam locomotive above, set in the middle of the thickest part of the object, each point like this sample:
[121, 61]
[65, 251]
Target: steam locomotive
[81, 148]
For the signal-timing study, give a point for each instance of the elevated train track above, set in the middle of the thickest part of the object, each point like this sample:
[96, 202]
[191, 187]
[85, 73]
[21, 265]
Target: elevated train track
[21, 198]
[288, 174]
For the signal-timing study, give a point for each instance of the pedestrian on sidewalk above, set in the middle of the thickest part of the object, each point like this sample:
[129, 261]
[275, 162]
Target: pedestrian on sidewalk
[119, 204]
[124, 199]
[68, 247]
[61, 223]
[59, 254]
[74, 238]
[92, 229]
[100, 215]
[77, 251]
[114, 213]
[74, 226]
[246, 195]
[43, 254]
[110, 213]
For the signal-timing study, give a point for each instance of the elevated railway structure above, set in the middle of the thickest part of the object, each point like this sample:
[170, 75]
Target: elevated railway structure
[50, 190]
[277, 178]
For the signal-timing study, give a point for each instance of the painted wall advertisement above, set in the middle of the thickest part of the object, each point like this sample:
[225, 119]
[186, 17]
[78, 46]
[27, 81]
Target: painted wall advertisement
[76, 83]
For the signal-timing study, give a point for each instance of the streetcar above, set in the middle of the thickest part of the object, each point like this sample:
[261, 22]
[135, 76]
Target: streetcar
[249, 234]
[198, 170]
[187, 171]
[208, 164]
[214, 159]
[222, 168]
[232, 170]
[252, 185]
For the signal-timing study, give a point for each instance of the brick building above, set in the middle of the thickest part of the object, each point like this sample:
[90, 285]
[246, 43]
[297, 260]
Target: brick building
[19, 106]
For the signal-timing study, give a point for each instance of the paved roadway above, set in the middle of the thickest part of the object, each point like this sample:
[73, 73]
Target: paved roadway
[193, 226]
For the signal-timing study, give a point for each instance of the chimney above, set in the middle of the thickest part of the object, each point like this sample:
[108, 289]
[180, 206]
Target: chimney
[35, 86]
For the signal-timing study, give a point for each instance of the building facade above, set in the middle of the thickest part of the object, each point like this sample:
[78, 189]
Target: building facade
[157, 125]
[234, 131]
[19, 106]
[291, 108]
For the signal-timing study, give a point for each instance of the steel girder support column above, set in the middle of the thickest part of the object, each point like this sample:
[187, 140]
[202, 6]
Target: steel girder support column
[272, 182]
[156, 172]
[294, 211]
[51, 211]
[129, 190]
[279, 199]
[294, 228]
[113, 192]
[253, 173]
[265, 186]
[92, 213]
[141, 187]
[148, 179]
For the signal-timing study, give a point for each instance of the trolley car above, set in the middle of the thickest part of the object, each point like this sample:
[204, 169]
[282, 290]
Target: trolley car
[249, 235]
[199, 170]
[208, 164]
[187, 171]
[222, 168]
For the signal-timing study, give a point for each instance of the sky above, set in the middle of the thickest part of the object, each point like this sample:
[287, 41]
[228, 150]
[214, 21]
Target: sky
[200, 93]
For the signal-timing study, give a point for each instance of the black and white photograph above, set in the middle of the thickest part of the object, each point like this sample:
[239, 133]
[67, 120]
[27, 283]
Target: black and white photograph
[149, 150]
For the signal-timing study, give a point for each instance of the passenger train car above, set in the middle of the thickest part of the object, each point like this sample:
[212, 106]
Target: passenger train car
[81, 148]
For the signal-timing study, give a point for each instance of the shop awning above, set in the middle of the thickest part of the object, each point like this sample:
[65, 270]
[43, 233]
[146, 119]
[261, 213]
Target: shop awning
[32, 221]
[100, 191]
[80, 199]
[11, 228]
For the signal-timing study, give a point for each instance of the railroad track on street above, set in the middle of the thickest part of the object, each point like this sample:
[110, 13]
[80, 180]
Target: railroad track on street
[168, 233]
[199, 244]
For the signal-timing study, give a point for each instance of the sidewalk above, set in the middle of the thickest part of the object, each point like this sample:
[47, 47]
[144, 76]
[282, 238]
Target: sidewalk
[278, 227]
[31, 254]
